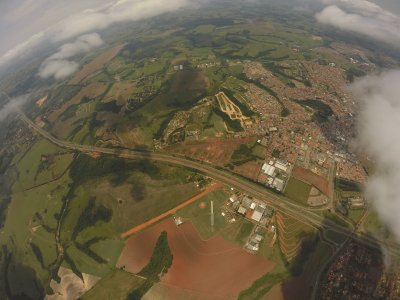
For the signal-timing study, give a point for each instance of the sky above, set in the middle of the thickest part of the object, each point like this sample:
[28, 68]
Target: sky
[75, 26]
[30, 24]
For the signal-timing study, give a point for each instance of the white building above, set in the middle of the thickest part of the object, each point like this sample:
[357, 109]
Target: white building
[268, 169]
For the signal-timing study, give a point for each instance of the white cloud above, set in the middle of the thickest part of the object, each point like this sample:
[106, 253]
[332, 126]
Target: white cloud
[379, 124]
[59, 69]
[11, 106]
[363, 17]
[58, 64]
[89, 20]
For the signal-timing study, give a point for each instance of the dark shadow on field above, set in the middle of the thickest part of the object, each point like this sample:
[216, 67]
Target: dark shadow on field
[17, 280]
[353, 271]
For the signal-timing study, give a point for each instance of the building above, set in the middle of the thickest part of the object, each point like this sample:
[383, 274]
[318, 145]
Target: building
[282, 165]
[258, 213]
[268, 169]
[242, 210]
[273, 129]
[278, 184]
[356, 202]
[246, 202]
[178, 221]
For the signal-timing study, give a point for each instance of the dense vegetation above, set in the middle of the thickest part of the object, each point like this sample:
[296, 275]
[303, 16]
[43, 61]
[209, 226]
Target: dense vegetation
[261, 286]
[244, 153]
[85, 168]
[233, 125]
[243, 107]
[110, 106]
[307, 247]
[38, 253]
[90, 216]
[160, 262]
[322, 111]
[347, 185]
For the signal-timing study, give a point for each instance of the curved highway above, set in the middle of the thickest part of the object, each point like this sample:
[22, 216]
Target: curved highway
[257, 191]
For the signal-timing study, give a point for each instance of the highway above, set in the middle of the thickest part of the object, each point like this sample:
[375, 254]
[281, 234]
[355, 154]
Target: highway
[246, 186]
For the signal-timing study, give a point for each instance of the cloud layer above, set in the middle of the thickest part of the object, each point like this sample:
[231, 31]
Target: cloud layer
[12, 106]
[363, 17]
[58, 64]
[379, 124]
[92, 19]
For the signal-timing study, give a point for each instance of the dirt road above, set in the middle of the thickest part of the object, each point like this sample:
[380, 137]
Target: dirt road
[142, 226]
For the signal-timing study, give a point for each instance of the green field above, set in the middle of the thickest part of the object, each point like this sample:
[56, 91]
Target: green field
[31, 221]
[355, 215]
[201, 217]
[238, 231]
[33, 170]
[298, 190]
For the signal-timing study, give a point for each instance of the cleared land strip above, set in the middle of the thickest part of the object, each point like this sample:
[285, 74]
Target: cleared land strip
[171, 211]
[244, 185]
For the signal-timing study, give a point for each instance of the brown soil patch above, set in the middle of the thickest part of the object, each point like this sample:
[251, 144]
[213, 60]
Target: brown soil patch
[316, 198]
[275, 293]
[96, 64]
[216, 266]
[162, 291]
[121, 92]
[250, 169]
[215, 151]
[306, 175]
[202, 205]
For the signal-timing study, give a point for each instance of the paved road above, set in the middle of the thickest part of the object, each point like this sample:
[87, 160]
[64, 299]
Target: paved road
[278, 202]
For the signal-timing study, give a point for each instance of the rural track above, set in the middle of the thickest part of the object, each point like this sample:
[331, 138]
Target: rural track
[257, 191]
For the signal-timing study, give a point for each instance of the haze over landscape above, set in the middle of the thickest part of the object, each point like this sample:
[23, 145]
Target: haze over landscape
[142, 130]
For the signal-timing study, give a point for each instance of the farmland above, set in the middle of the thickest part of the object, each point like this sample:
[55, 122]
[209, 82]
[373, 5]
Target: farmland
[298, 190]
[229, 90]
[216, 259]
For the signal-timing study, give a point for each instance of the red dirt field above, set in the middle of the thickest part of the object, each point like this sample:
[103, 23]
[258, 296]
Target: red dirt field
[318, 181]
[215, 267]
[215, 151]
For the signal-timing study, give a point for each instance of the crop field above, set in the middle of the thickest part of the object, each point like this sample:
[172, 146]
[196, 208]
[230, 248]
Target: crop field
[194, 260]
[67, 110]
[96, 64]
[199, 214]
[291, 234]
[121, 92]
[298, 190]
[308, 176]
[249, 169]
